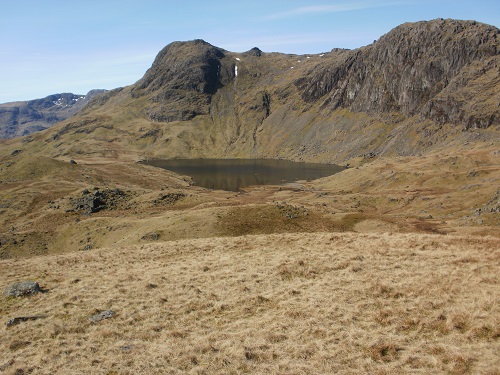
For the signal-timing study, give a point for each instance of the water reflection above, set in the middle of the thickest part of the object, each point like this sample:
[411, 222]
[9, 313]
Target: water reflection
[234, 174]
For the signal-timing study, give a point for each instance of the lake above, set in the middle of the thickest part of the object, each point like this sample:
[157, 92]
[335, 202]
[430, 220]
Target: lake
[234, 174]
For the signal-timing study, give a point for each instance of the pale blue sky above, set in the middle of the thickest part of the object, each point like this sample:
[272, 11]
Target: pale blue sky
[48, 46]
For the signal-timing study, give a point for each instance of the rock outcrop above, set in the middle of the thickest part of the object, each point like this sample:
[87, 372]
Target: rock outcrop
[20, 319]
[94, 201]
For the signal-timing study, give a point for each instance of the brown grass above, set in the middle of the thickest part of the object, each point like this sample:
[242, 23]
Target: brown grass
[271, 218]
[278, 304]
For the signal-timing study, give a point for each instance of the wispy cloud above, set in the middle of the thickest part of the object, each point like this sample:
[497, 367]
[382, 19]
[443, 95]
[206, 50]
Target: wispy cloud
[337, 8]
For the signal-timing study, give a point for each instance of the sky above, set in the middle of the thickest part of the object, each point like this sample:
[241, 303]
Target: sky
[49, 47]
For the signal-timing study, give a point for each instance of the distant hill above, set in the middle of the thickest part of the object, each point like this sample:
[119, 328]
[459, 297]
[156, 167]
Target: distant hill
[26, 117]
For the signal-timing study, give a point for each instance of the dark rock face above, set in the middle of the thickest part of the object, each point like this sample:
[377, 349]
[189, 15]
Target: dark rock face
[183, 77]
[24, 288]
[407, 69]
[23, 118]
[185, 66]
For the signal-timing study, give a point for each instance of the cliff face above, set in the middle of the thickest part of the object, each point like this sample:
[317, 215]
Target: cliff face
[23, 118]
[181, 80]
[414, 69]
[420, 87]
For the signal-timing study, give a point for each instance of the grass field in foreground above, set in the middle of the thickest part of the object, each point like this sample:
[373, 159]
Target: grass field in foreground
[278, 304]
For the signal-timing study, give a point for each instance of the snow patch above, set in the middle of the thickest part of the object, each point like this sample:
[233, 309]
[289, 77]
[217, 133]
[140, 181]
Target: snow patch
[322, 55]
[238, 59]
[236, 71]
[308, 57]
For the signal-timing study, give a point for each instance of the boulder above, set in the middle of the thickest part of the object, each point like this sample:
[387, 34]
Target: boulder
[21, 289]
[101, 316]
[89, 203]
[152, 236]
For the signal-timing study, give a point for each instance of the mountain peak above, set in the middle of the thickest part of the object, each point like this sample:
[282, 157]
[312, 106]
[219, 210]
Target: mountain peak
[183, 73]
[255, 51]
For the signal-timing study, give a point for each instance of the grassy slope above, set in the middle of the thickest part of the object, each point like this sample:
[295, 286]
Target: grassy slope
[294, 303]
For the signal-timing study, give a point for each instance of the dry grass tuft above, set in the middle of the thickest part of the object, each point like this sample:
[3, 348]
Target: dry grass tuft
[384, 351]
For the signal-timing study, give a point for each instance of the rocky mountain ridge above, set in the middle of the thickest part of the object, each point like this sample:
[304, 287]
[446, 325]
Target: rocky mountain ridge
[26, 117]
[408, 70]
[422, 86]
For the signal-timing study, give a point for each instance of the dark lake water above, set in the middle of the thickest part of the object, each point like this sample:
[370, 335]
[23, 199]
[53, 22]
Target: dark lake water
[234, 174]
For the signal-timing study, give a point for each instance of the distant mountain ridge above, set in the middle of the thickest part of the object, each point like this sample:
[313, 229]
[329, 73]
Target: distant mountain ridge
[26, 117]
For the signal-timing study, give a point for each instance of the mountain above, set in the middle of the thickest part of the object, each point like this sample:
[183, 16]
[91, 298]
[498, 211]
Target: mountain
[421, 87]
[23, 118]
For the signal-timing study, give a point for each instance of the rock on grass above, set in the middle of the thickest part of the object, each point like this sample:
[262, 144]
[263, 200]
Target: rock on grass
[101, 316]
[20, 319]
[21, 289]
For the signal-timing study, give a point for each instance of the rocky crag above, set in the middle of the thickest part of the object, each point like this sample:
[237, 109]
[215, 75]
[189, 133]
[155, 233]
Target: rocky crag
[416, 69]
[23, 118]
